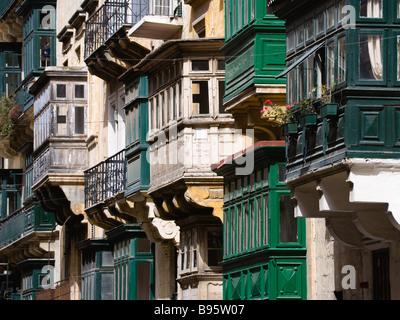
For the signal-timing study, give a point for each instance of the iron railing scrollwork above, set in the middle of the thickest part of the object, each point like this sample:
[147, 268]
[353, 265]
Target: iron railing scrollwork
[106, 179]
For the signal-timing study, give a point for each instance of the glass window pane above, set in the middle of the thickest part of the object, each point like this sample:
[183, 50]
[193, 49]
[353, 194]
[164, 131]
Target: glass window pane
[309, 29]
[143, 280]
[341, 59]
[143, 245]
[79, 120]
[200, 65]
[61, 91]
[371, 8]
[299, 35]
[371, 65]
[330, 17]
[310, 76]
[265, 224]
[330, 64]
[79, 91]
[287, 221]
[44, 44]
[214, 245]
[200, 97]
[221, 92]
[320, 23]
[290, 41]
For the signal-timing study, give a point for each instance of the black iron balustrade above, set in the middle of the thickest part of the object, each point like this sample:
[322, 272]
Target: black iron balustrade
[102, 24]
[106, 179]
[112, 15]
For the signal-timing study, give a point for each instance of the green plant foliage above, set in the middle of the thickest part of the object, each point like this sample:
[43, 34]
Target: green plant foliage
[9, 114]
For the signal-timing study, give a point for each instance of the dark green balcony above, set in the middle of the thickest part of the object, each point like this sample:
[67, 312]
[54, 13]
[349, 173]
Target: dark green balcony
[23, 223]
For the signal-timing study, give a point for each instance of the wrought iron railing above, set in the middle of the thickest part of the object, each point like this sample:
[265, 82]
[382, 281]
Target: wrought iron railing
[112, 15]
[102, 24]
[106, 179]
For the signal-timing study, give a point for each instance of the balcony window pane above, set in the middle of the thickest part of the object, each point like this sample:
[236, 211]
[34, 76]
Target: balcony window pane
[287, 221]
[143, 280]
[398, 57]
[299, 35]
[341, 14]
[44, 44]
[309, 29]
[310, 76]
[371, 8]
[200, 97]
[61, 91]
[11, 60]
[79, 120]
[12, 82]
[61, 120]
[371, 63]
[341, 59]
[398, 8]
[320, 23]
[200, 65]
[290, 41]
[330, 17]
[330, 64]
[214, 246]
[221, 91]
[265, 224]
[79, 91]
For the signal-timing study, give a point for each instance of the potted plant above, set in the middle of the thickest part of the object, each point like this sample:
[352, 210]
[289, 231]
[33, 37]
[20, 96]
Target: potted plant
[328, 108]
[281, 115]
[308, 116]
[9, 114]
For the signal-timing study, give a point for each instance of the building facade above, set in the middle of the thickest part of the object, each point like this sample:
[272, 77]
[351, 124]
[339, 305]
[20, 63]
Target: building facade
[342, 165]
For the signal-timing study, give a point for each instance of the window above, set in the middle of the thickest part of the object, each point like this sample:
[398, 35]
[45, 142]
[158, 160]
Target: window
[320, 70]
[310, 75]
[299, 35]
[221, 65]
[143, 280]
[44, 44]
[398, 9]
[341, 14]
[290, 84]
[320, 23]
[290, 41]
[200, 65]
[79, 120]
[79, 91]
[265, 222]
[398, 57]
[287, 221]
[188, 251]
[330, 64]
[61, 122]
[214, 247]
[200, 97]
[371, 63]
[221, 93]
[309, 29]
[300, 82]
[371, 8]
[341, 59]
[61, 91]
[330, 17]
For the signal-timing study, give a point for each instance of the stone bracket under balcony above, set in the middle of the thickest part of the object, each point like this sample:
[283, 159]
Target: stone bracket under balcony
[140, 206]
[183, 198]
[357, 197]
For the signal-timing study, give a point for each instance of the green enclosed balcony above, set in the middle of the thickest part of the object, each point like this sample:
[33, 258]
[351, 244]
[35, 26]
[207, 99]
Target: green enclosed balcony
[347, 114]
[22, 224]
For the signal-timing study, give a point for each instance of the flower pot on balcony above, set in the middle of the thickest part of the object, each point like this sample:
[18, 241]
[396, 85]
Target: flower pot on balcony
[307, 120]
[289, 128]
[329, 110]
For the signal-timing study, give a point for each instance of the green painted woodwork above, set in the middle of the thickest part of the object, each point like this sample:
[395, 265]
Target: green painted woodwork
[137, 123]
[255, 46]
[133, 263]
[366, 122]
[39, 36]
[264, 245]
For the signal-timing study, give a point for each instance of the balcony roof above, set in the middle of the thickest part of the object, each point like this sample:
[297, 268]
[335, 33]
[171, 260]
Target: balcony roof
[156, 27]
